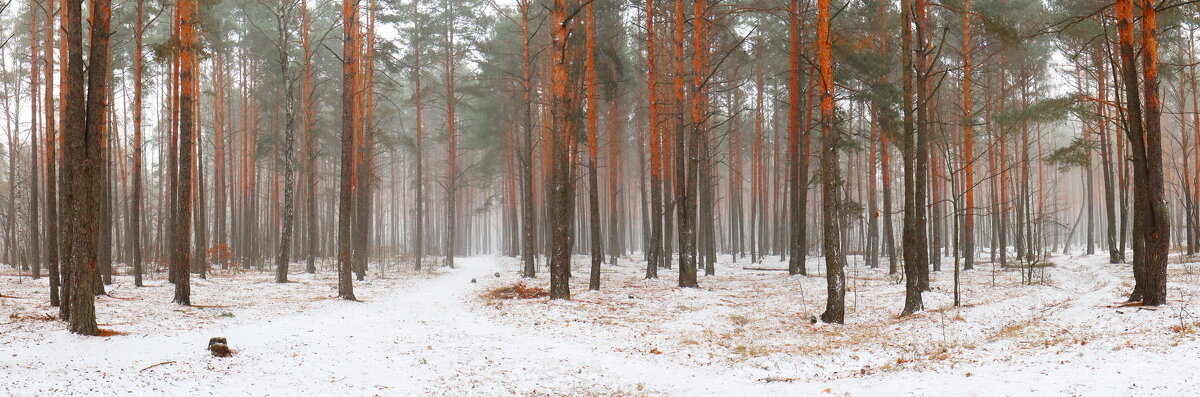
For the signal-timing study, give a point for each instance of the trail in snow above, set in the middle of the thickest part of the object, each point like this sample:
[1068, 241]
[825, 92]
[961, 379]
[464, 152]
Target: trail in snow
[435, 337]
[418, 340]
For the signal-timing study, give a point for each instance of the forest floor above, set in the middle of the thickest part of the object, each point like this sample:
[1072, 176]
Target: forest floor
[746, 331]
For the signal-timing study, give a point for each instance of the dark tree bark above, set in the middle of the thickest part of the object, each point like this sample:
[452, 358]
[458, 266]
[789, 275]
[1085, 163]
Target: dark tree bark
[363, 220]
[187, 136]
[346, 188]
[685, 179]
[597, 248]
[52, 212]
[82, 128]
[835, 306]
[560, 189]
[915, 252]
[528, 221]
[1151, 237]
[35, 234]
[653, 255]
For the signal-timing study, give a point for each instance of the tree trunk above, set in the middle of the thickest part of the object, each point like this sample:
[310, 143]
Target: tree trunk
[914, 181]
[656, 153]
[968, 157]
[310, 145]
[289, 141]
[52, 212]
[684, 152]
[183, 221]
[450, 69]
[835, 306]
[560, 194]
[346, 188]
[796, 219]
[366, 155]
[597, 249]
[82, 128]
[528, 217]
[419, 180]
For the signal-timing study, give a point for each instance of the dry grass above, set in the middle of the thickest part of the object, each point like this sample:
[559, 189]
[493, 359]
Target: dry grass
[15, 317]
[760, 319]
[518, 291]
[108, 332]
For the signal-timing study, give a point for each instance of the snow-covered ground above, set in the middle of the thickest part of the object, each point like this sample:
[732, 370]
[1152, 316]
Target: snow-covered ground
[747, 331]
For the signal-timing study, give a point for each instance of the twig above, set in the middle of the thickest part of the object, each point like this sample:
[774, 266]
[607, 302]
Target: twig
[155, 365]
[764, 269]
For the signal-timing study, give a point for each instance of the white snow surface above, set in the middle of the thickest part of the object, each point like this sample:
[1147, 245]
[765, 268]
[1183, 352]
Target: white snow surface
[745, 332]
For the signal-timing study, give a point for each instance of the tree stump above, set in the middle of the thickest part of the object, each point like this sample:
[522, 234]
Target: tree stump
[219, 347]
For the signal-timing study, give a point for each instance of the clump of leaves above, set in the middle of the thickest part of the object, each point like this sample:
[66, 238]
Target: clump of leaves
[226, 314]
[1077, 154]
[518, 291]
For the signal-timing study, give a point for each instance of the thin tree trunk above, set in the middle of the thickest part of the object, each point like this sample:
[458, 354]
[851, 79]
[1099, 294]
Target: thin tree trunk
[656, 152]
[597, 249]
[968, 157]
[283, 17]
[51, 158]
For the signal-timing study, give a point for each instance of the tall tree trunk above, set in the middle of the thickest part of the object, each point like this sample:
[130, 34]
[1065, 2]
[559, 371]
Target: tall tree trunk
[1151, 220]
[450, 69]
[656, 153]
[35, 235]
[597, 249]
[796, 219]
[199, 262]
[968, 157]
[346, 188]
[283, 18]
[915, 252]
[684, 156]
[104, 195]
[310, 144]
[617, 218]
[419, 180]
[528, 216]
[52, 212]
[82, 129]
[363, 220]
[1110, 211]
[560, 193]
[835, 306]
[698, 153]
[187, 134]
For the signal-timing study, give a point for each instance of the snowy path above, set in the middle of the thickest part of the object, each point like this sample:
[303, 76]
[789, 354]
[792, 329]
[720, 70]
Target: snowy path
[435, 338]
[419, 340]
